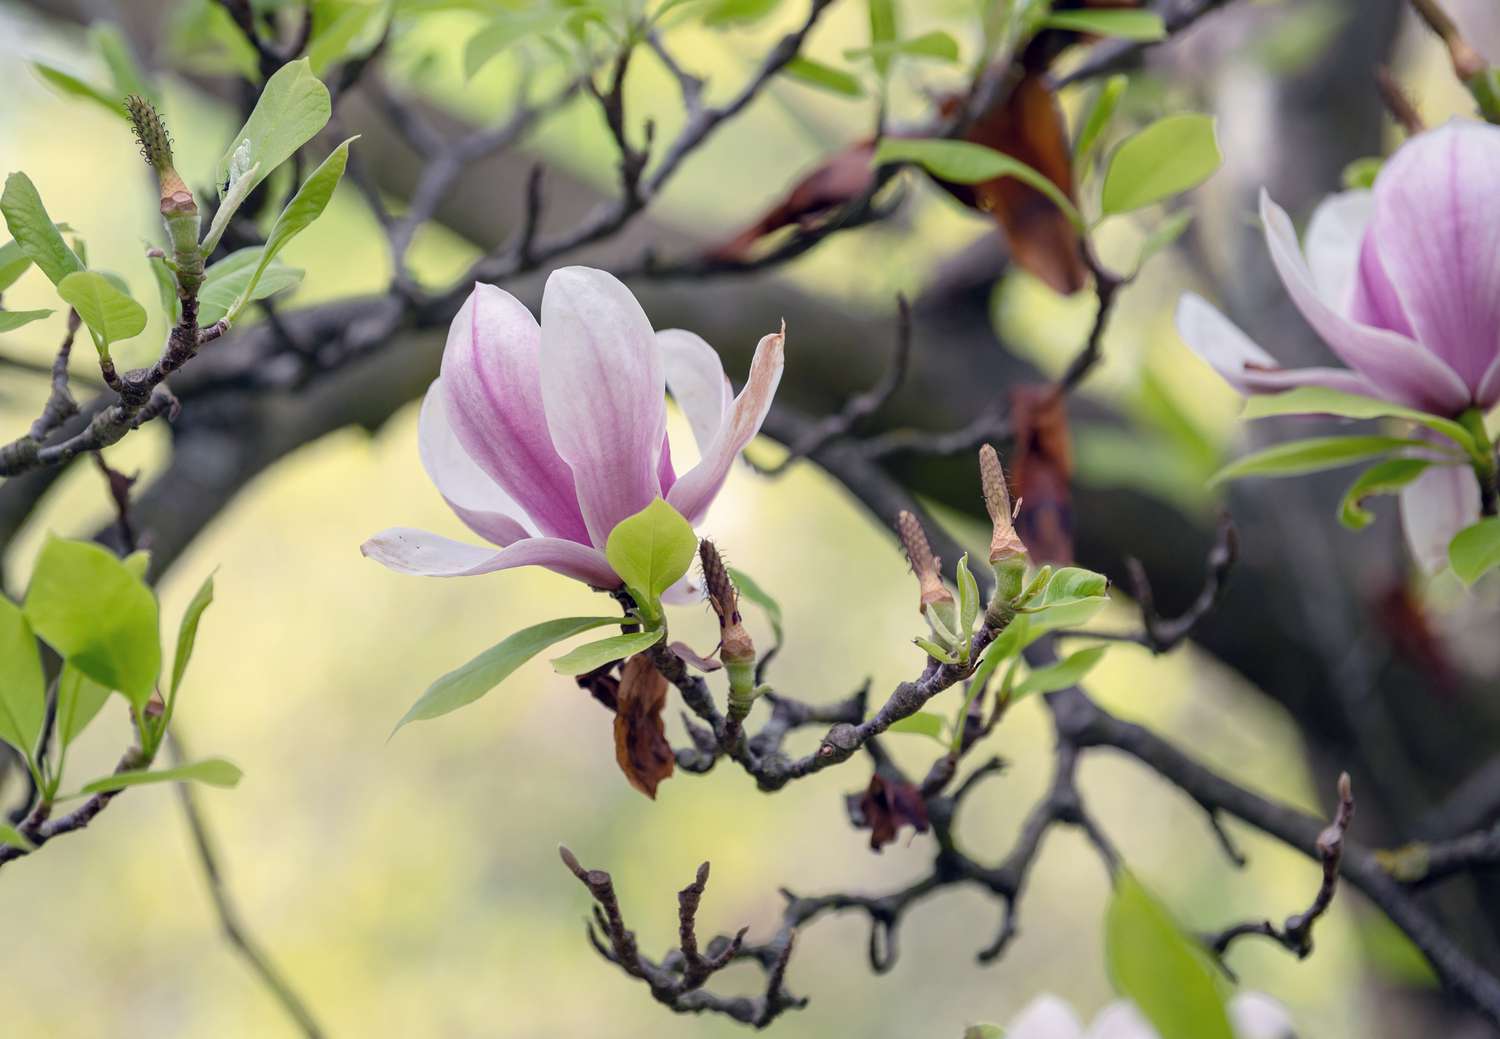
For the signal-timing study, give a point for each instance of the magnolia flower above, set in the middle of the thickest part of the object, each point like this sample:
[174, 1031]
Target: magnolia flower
[1252, 1015]
[1403, 284]
[542, 438]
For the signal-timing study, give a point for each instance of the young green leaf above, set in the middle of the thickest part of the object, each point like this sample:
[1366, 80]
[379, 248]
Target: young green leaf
[10, 320]
[1361, 173]
[210, 772]
[34, 231]
[508, 29]
[1164, 973]
[1065, 673]
[166, 289]
[13, 263]
[1313, 455]
[968, 597]
[79, 700]
[937, 46]
[1474, 551]
[126, 75]
[1315, 400]
[345, 30]
[1163, 235]
[923, 723]
[1072, 598]
[227, 280]
[963, 162]
[824, 77]
[234, 197]
[23, 691]
[187, 634]
[1166, 158]
[111, 315]
[1142, 26]
[882, 32]
[15, 838]
[749, 589]
[723, 14]
[468, 683]
[594, 655]
[651, 550]
[70, 84]
[1387, 477]
[305, 207]
[293, 107]
[1100, 112]
[99, 616]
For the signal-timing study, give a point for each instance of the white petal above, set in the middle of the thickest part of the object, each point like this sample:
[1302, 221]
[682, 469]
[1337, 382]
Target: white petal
[1121, 1021]
[1258, 1016]
[696, 379]
[1045, 1017]
[469, 491]
[1434, 507]
[408, 550]
[1242, 363]
[1334, 237]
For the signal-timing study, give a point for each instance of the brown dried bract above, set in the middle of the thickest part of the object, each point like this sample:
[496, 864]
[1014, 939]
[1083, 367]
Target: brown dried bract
[641, 745]
[841, 178]
[1041, 470]
[885, 807]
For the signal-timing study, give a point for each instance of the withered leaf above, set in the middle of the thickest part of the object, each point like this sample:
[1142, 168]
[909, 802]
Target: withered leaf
[1041, 471]
[886, 806]
[841, 178]
[641, 746]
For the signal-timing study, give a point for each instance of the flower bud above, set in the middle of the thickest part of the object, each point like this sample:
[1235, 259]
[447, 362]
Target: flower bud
[178, 207]
[927, 567]
[736, 649]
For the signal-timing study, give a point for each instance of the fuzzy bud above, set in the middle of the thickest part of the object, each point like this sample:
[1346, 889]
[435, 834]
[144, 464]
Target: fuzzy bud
[1005, 543]
[924, 564]
[736, 649]
[178, 207]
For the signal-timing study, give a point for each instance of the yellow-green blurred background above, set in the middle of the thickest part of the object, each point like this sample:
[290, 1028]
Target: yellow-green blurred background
[412, 886]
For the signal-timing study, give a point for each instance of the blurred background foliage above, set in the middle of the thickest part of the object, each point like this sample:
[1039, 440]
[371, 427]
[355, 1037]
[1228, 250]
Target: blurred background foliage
[412, 887]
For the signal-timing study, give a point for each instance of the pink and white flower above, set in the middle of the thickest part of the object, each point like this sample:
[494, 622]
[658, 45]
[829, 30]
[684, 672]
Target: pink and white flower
[1251, 1014]
[1403, 284]
[543, 437]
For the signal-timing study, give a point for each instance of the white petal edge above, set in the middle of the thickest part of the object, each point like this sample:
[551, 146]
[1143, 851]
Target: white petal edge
[1334, 237]
[1045, 1017]
[408, 550]
[1230, 352]
[1434, 507]
[696, 380]
[1256, 1015]
[1121, 1020]
[468, 489]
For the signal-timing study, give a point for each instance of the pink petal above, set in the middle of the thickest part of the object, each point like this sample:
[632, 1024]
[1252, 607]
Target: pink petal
[1436, 226]
[696, 488]
[1434, 507]
[604, 389]
[1375, 302]
[1242, 363]
[1398, 368]
[666, 476]
[469, 491]
[696, 379]
[1334, 236]
[410, 551]
[1045, 1017]
[493, 386]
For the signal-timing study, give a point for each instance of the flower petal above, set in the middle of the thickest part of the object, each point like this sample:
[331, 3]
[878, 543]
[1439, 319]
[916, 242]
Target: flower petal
[696, 488]
[1334, 236]
[1242, 363]
[469, 491]
[408, 550]
[1400, 369]
[1434, 507]
[696, 379]
[604, 389]
[1121, 1020]
[1437, 222]
[666, 476]
[493, 385]
[1045, 1017]
[1256, 1015]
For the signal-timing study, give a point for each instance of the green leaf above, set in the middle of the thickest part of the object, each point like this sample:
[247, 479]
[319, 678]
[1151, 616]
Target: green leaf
[968, 597]
[23, 690]
[1474, 551]
[13, 263]
[98, 616]
[824, 77]
[10, 320]
[293, 107]
[1313, 455]
[79, 700]
[923, 723]
[1361, 173]
[506, 30]
[724, 14]
[305, 207]
[12, 836]
[463, 686]
[749, 589]
[34, 231]
[1386, 477]
[1315, 400]
[651, 550]
[187, 633]
[1167, 975]
[210, 772]
[1144, 26]
[594, 655]
[70, 84]
[345, 30]
[1163, 235]
[1165, 159]
[963, 162]
[984, 1032]
[127, 76]
[1065, 673]
[937, 45]
[111, 315]
[1072, 598]
[1100, 112]
[882, 32]
[225, 281]
[166, 289]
